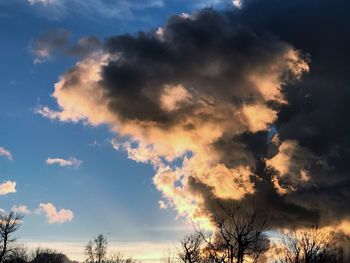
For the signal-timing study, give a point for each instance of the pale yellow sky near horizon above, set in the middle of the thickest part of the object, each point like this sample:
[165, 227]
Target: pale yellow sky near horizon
[146, 251]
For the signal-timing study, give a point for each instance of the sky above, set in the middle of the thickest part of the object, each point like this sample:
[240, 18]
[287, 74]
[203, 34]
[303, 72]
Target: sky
[134, 118]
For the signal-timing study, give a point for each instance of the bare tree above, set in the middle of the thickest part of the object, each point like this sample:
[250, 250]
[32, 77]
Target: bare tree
[239, 233]
[9, 223]
[309, 245]
[89, 252]
[119, 258]
[169, 256]
[96, 249]
[191, 248]
[18, 254]
[100, 248]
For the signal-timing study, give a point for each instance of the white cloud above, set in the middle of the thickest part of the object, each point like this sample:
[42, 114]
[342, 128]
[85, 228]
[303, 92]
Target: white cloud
[64, 162]
[45, 111]
[107, 9]
[7, 187]
[44, 2]
[115, 144]
[6, 153]
[237, 3]
[22, 209]
[162, 204]
[53, 216]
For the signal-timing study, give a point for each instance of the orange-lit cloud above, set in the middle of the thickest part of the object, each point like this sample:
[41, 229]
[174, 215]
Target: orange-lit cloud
[22, 209]
[7, 187]
[176, 121]
[53, 216]
[291, 163]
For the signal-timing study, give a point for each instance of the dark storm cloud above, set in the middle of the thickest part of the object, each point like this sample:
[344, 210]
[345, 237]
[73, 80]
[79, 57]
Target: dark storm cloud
[205, 52]
[316, 113]
[225, 87]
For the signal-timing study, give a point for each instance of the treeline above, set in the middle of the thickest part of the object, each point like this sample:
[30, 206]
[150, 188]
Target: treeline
[238, 234]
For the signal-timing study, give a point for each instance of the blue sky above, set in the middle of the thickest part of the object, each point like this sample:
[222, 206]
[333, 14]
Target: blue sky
[107, 193]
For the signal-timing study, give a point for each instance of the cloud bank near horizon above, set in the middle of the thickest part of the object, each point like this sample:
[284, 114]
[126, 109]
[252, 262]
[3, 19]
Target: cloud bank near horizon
[228, 106]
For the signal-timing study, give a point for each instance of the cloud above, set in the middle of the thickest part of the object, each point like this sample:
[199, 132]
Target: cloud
[237, 3]
[57, 41]
[53, 216]
[6, 153]
[214, 3]
[50, 42]
[44, 2]
[186, 102]
[22, 209]
[7, 187]
[293, 164]
[162, 204]
[229, 106]
[64, 162]
[102, 9]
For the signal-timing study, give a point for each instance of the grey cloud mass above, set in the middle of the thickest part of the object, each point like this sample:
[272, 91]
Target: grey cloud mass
[253, 102]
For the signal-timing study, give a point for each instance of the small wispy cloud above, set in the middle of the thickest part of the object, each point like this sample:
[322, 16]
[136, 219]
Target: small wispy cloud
[7, 187]
[47, 44]
[162, 204]
[215, 3]
[237, 3]
[91, 8]
[22, 209]
[44, 2]
[57, 42]
[53, 216]
[6, 153]
[46, 112]
[64, 162]
[96, 143]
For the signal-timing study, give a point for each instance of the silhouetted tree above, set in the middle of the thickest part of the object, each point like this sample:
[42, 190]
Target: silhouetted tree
[191, 246]
[309, 245]
[43, 255]
[239, 232]
[119, 258]
[96, 249]
[9, 223]
[89, 252]
[100, 248]
[19, 254]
